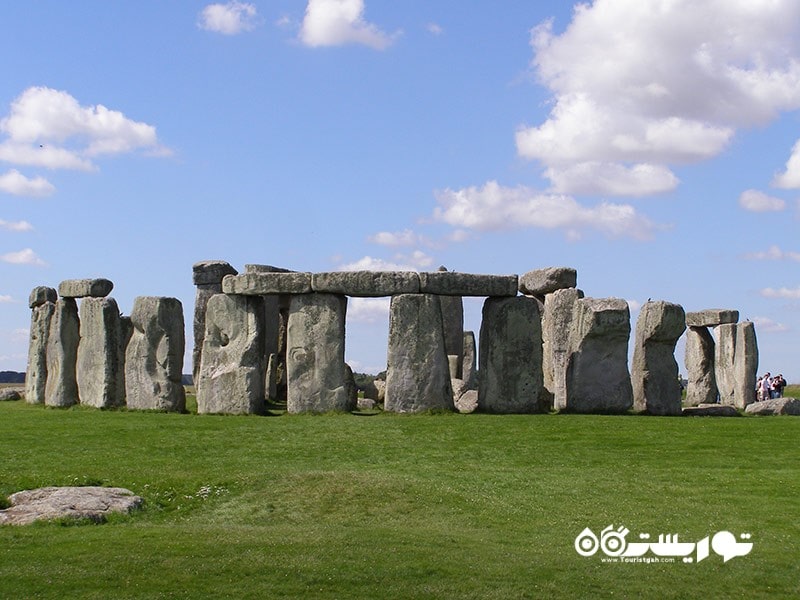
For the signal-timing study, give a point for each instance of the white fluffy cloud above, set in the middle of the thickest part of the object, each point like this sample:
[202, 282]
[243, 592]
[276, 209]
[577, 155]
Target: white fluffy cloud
[49, 128]
[340, 22]
[6, 299]
[625, 76]
[790, 178]
[765, 324]
[400, 262]
[368, 310]
[229, 19]
[23, 257]
[19, 226]
[756, 201]
[774, 253]
[494, 207]
[397, 238]
[789, 293]
[14, 182]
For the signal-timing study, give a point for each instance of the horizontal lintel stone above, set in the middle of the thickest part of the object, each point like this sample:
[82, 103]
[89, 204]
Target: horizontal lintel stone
[85, 288]
[209, 272]
[450, 283]
[366, 283]
[711, 317]
[545, 281]
[263, 284]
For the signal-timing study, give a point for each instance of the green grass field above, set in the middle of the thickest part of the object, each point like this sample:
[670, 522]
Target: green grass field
[391, 506]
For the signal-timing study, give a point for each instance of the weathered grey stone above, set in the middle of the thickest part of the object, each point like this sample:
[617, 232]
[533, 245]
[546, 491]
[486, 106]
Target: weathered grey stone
[272, 317]
[232, 370]
[711, 410]
[316, 374]
[36, 373]
[775, 406]
[459, 386]
[557, 315]
[154, 356]
[380, 389]
[262, 284]
[450, 283]
[745, 365]
[207, 276]
[352, 389]
[418, 376]
[510, 356]
[654, 373]
[366, 283]
[211, 272]
[452, 365]
[541, 282]
[41, 294]
[453, 324]
[271, 381]
[100, 369]
[85, 288]
[62, 354]
[469, 363]
[366, 404]
[86, 502]
[10, 395]
[701, 386]
[724, 355]
[467, 402]
[711, 317]
[597, 377]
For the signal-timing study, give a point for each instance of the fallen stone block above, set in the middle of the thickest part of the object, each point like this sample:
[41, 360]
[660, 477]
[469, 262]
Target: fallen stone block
[711, 410]
[86, 502]
[85, 288]
[775, 406]
[450, 283]
[10, 395]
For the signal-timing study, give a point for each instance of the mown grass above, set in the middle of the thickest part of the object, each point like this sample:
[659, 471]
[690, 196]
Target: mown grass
[389, 506]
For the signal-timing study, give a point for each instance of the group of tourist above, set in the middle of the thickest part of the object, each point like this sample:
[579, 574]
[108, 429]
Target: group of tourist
[770, 387]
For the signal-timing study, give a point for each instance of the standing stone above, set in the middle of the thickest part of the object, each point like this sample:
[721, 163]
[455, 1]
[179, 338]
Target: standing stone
[316, 374]
[232, 367]
[597, 377]
[207, 276]
[100, 368]
[701, 386]
[453, 323]
[654, 374]
[468, 370]
[42, 303]
[62, 354]
[418, 376]
[745, 365]
[556, 325]
[725, 353]
[154, 358]
[510, 356]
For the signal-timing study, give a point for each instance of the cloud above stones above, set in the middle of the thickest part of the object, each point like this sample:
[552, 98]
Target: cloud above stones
[414, 261]
[493, 207]
[341, 22]
[767, 325]
[783, 292]
[230, 18]
[23, 257]
[756, 201]
[368, 310]
[624, 77]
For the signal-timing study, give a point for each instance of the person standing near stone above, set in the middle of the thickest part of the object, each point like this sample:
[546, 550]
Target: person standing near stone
[766, 386]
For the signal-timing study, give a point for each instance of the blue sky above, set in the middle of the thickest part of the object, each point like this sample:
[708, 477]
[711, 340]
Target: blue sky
[653, 146]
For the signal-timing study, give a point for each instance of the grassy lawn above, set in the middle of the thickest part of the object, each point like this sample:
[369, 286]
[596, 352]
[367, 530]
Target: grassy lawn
[390, 506]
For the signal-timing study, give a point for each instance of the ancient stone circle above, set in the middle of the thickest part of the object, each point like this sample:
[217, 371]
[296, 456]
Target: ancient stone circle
[271, 334]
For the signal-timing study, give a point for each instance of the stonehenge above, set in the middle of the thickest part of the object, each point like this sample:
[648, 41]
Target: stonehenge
[270, 335]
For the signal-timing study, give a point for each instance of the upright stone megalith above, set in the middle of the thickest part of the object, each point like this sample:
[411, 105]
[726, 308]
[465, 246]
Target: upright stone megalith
[42, 302]
[101, 356]
[597, 377]
[510, 356]
[453, 323]
[701, 383]
[559, 308]
[207, 276]
[317, 378]
[724, 370]
[154, 358]
[62, 354]
[469, 368]
[745, 365]
[418, 376]
[231, 378]
[654, 373]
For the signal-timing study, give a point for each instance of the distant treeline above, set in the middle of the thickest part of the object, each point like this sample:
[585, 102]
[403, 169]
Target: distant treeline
[12, 377]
